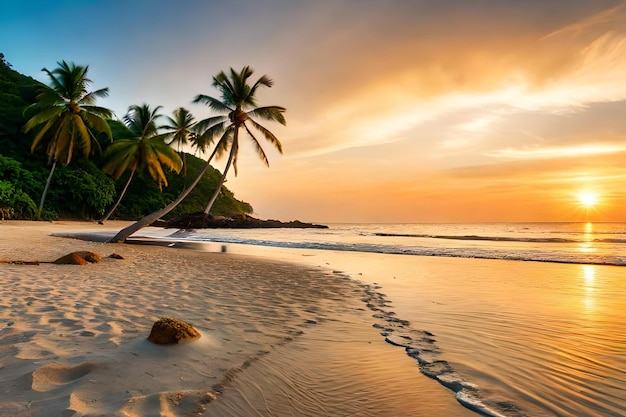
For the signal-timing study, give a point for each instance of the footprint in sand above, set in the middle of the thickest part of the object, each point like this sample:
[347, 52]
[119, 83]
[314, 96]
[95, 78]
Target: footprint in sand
[52, 376]
[170, 403]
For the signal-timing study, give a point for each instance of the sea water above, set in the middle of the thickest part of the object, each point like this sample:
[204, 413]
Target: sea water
[510, 338]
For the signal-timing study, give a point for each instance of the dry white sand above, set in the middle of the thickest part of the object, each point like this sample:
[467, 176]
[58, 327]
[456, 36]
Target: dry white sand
[277, 338]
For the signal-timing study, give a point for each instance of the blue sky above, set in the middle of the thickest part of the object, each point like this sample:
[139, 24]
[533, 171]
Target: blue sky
[425, 110]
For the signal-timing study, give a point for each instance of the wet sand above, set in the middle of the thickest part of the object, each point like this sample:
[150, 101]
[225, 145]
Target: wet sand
[278, 338]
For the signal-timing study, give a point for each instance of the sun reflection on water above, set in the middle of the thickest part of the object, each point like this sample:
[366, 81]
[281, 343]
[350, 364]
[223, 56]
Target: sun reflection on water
[589, 279]
[587, 245]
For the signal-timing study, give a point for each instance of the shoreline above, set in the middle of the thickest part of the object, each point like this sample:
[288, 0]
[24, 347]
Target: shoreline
[74, 330]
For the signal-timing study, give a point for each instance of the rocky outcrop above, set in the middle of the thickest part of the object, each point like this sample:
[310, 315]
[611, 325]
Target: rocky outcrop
[169, 331]
[198, 221]
[78, 258]
[74, 258]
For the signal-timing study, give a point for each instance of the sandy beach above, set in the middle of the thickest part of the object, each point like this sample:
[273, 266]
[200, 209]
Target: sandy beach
[277, 338]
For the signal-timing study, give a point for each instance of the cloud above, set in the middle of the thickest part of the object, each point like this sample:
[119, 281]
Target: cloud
[561, 152]
[382, 89]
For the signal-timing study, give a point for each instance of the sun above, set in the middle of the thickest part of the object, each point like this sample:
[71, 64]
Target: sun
[588, 199]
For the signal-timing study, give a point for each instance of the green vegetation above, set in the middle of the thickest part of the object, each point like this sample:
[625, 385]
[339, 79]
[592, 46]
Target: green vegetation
[80, 189]
[237, 99]
[140, 146]
[65, 118]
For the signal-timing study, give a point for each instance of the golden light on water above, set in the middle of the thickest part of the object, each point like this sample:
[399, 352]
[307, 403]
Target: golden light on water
[589, 277]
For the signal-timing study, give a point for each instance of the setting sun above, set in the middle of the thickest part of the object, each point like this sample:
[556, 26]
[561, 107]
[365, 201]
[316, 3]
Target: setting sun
[588, 199]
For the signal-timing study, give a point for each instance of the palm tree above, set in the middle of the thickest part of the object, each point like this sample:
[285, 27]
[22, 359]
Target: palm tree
[180, 129]
[67, 117]
[142, 146]
[239, 105]
[237, 98]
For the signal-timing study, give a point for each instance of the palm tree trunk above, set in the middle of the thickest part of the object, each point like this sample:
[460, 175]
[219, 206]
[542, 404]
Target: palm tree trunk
[123, 234]
[233, 152]
[45, 190]
[119, 199]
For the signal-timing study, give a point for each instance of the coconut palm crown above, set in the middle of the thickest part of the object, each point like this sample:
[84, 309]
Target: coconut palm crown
[142, 146]
[238, 106]
[180, 131]
[66, 115]
[65, 118]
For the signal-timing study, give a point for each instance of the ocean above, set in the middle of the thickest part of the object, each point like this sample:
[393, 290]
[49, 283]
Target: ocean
[538, 330]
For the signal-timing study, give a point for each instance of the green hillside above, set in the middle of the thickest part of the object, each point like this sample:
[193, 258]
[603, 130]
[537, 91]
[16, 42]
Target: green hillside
[81, 190]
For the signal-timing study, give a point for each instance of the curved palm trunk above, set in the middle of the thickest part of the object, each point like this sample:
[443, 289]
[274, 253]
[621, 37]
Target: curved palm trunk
[233, 152]
[45, 190]
[119, 199]
[123, 234]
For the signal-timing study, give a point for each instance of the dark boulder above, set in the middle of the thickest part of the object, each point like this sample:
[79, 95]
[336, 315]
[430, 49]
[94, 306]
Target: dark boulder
[78, 258]
[168, 331]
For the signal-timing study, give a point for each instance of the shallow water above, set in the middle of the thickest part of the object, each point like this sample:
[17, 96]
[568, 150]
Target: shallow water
[538, 339]
[338, 369]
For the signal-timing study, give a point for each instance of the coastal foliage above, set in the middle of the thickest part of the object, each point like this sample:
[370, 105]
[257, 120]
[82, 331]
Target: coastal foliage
[65, 118]
[80, 190]
[140, 146]
[238, 102]
[15, 203]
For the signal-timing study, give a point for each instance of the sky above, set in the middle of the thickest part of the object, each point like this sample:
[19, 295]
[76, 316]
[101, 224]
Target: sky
[397, 110]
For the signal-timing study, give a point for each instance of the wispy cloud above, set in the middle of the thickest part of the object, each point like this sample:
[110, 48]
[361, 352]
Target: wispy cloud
[558, 152]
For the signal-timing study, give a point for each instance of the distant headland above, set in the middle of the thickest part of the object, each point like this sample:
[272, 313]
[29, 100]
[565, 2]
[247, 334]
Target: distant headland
[239, 221]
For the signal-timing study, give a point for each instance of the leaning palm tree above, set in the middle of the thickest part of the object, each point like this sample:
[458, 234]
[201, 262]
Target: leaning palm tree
[180, 130]
[237, 99]
[238, 102]
[66, 117]
[141, 146]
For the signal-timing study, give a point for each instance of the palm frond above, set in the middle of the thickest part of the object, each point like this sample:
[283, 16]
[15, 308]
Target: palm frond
[120, 156]
[257, 146]
[55, 84]
[167, 156]
[99, 111]
[47, 97]
[273, 113]
[202, 125]
[213, 103]
[45, 130]
[154, 167]
[43, 117]
[264, 81]
[63, 139]
[90, 97]
[97, 123]
[141, 120]
[83, 134]
[268, 135]
[206, 138]
[225, 142]
[223, 84]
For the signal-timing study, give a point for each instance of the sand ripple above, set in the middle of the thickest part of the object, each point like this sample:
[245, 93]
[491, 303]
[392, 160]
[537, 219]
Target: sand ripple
[72, 339]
